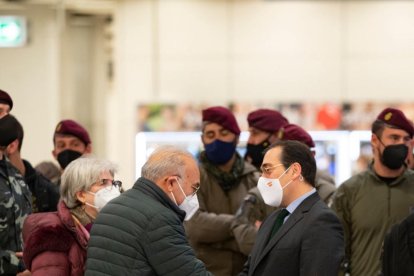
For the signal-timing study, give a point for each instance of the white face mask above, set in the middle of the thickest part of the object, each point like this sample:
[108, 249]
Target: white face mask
[189, 205]
[103, 196]
[271, 190]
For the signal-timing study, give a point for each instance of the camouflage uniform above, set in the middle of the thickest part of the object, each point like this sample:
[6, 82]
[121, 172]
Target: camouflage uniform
[15, 205]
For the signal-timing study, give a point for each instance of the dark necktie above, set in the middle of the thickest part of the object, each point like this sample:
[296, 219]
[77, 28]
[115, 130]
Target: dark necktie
[279, 221]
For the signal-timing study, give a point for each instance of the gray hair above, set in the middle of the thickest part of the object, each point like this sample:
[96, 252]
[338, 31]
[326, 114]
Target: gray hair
[164, 161]
[80, 175]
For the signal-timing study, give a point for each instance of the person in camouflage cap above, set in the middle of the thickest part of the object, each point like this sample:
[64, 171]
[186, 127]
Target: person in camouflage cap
[15, 205]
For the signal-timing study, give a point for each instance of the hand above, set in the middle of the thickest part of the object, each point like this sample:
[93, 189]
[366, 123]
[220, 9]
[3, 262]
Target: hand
[24, 273]
[19, 254]
[258, 223]
[243, 213]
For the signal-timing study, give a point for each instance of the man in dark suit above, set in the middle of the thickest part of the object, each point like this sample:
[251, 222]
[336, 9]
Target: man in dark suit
[304, 237]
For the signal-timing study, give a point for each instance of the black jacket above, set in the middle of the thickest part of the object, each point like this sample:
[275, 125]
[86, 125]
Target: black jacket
[398, 258]
[310, 242]
[45, 194]
[141, 233]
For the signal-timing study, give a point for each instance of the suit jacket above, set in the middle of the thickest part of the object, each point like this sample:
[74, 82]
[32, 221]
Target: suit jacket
[310, 242]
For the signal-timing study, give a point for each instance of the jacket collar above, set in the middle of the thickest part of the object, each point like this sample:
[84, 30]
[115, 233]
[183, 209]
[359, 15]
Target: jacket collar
[293, 219]
[152, 190]
[67, 220]
[397, 181]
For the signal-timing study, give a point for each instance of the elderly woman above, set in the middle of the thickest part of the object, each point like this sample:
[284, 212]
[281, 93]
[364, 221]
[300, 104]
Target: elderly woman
[55, 243]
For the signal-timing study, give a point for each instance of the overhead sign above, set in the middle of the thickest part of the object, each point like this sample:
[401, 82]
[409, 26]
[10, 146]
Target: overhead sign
[13, 31]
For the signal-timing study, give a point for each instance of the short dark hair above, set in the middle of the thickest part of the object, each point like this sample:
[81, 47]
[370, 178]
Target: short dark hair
[16, 129]
[295, 151]
[378, 127]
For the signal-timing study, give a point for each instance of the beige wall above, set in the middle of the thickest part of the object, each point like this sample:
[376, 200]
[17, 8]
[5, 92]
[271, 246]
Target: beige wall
[30, 75]
[208, 51]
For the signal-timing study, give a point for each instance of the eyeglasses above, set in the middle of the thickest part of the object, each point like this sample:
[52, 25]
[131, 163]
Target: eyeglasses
[266, 169]
[195, 187]
[110, 183]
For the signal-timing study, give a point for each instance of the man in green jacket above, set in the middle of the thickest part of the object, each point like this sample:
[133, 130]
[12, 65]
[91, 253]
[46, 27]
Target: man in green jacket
[370, 202]
[141, 231]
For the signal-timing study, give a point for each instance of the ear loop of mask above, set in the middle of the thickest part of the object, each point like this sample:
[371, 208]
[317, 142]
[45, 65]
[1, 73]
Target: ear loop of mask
[181, 188]
[282, 175]
[185, 196]
[175, 201]
[91, 205]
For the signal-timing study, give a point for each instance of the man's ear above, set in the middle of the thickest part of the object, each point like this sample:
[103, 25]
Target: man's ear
[13, 147]
[54, 153]
[274, 137]
[374, 139]
[296, 170]
[167, 183]
[88, 148]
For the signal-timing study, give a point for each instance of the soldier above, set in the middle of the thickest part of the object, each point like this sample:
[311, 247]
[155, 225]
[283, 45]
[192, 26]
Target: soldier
[71, 141]
[15, 205]
[45, 195]
[264, 126]
[371, 202]
[225, 180]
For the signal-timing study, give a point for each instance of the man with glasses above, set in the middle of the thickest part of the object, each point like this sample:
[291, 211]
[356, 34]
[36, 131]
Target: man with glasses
[370, 202]
[141, 232]
[253, 210]
[304, 237]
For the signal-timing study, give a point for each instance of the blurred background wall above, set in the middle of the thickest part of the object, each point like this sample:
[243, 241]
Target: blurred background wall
[96, 60]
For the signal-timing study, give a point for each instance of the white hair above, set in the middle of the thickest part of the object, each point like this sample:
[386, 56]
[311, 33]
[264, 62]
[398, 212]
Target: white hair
[80, 175]
[165, 161]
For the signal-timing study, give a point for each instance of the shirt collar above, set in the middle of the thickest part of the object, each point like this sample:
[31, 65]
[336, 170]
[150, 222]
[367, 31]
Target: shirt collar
[293, 205]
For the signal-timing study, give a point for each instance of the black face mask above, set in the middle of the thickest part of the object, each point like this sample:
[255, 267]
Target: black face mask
[256, 152]
[394, 156]
[67, 156]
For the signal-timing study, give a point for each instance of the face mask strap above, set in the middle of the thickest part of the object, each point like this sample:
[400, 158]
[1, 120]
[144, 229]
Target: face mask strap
[181, 188]
[284, 171]
[282, 175]
[175, 201]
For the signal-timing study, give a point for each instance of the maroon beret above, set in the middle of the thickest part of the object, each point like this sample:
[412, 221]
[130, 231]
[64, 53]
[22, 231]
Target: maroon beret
[267, 120]
[9, 130]
[296, 133]
[396, 118]
[70, 127]
[222, 116]
[5, 98]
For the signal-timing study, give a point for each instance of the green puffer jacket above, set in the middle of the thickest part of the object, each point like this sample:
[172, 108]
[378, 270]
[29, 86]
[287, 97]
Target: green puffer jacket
[141, 233]
[368, 207]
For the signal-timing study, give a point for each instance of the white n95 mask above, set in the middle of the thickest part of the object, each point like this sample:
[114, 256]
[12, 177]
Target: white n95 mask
[190, 206]
[103, 196]
[271, 190]
[190, 203]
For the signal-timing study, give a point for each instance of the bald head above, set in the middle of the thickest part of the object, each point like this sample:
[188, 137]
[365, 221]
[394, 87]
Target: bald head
[166, 161]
